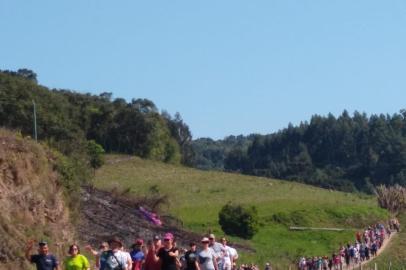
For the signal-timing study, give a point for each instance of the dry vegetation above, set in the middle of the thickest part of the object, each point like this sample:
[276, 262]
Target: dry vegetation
[31, 200]
[392, 198]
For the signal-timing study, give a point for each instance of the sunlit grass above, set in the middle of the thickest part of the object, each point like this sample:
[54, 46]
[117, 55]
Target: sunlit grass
[197, 196]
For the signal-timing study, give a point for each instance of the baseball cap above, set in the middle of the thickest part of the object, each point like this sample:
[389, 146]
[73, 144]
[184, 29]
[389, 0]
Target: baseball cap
[139, 242]
[211, 236]
[168, 236]
[156, 238]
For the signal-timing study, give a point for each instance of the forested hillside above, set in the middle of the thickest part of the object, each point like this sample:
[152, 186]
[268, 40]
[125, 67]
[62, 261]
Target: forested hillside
[68, 120]
[210, 154]
[348, 152]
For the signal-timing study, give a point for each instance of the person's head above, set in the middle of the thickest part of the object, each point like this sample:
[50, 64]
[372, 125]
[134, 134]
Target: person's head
[205, 242]
[115, 243]
[224, 241]
[168, 240]
[104, 246]
[43, 248]
[138, 243]
[74, 250]
[212, 238]
[157, 241]
[192, 246]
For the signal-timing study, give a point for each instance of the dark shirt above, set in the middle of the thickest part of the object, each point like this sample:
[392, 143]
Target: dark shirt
[190, 258]
[44, 262]
[168, 262]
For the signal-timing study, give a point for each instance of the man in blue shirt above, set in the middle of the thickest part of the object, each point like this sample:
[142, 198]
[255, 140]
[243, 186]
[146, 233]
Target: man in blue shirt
[43, 260]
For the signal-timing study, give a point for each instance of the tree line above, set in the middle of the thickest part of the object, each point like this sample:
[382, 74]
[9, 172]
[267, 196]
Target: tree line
[349, 153]
[69, 120]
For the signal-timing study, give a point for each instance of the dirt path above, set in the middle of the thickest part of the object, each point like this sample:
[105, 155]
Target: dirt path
[383, 247]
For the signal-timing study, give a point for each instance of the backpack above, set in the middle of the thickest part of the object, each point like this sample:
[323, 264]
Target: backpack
[112, 262]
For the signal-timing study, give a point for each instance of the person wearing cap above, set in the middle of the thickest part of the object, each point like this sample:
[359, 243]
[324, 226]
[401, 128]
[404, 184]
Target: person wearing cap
[115, 258]
[151, 263]
[43, 260]
[168, 254]
[191, 258]
[207, 256]
[137, 255]
[217, 247]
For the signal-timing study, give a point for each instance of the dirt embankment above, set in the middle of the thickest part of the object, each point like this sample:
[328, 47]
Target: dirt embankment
[31, 202]
[106, 214]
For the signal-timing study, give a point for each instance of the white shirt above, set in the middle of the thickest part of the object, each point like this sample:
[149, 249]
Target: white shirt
[121, 257]
[226, 255]
[233, 253]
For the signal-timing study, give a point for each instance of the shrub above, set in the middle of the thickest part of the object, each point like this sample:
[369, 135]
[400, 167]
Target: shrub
[238, 220]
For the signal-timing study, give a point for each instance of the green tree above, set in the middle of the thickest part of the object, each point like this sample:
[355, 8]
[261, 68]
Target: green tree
[238, 220]
[95, 152]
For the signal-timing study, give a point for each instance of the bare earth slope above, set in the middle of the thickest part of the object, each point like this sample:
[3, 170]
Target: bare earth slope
[106, 214]
[31, 202]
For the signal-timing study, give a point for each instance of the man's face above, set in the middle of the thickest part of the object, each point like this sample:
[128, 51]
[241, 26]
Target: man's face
[212, 239]
[43, 249]
[157, 242]
[193, 248]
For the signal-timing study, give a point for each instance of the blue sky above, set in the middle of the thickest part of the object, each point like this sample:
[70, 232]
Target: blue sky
[229, 67]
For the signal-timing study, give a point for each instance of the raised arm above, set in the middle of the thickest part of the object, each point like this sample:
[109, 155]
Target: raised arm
[28, 250]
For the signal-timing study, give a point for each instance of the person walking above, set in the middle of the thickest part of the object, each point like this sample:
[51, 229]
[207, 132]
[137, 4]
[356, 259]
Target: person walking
[104, 247]
[115, 258]
[226, 256]
[137, 255]
[75, 260]
[207, 256]
[217, 247]
[43, 260]
[191, 258]
[168, 254]
[151, 261]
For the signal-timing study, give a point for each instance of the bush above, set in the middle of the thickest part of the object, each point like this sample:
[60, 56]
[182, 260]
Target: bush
[238, 220]
[95, 152]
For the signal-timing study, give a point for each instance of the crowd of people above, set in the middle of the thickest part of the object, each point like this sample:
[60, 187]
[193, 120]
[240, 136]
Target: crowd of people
[155, 254]
[366, 245]
[163, 254]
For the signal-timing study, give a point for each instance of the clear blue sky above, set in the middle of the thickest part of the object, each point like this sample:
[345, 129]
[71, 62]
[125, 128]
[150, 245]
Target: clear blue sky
[229, 67]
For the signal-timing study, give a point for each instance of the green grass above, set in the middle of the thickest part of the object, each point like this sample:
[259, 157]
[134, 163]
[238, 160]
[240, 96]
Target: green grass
[197, 196]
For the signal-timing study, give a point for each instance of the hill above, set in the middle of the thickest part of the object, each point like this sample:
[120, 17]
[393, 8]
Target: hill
[195, 197]
[348, 153]
[32, 201]
[67, 120]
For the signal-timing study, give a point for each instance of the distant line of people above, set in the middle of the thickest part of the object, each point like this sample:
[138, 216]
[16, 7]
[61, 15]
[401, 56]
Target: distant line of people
[155, 255]
[366, 245]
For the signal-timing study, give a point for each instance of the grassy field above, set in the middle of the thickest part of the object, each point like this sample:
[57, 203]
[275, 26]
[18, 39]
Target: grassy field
[197, 196]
